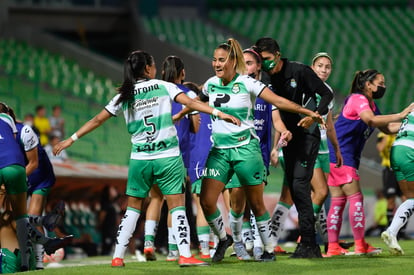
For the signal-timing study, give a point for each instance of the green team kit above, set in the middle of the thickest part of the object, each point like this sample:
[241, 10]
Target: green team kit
[235, 148]
[153, 137]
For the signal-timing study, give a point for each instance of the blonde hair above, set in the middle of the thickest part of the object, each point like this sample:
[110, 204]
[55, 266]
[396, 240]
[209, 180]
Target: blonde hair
[232, 46]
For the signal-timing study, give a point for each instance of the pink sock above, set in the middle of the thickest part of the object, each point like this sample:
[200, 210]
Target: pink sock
[356, 215]
[334, 218]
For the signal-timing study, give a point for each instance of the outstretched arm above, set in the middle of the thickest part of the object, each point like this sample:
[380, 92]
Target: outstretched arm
[194, 104]
[289, 106]
[86, 128]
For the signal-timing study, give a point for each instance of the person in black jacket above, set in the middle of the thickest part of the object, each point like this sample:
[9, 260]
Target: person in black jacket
[298, 83]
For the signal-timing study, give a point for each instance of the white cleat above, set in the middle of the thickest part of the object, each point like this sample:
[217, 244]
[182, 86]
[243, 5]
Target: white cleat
[392, 243]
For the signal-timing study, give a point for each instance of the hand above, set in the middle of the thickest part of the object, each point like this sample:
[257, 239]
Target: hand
[306, 122]
[178, 116]
[229, 118]
[274, 157]
[407, 110]
[286, 136]
[62, 145]
[339, 159]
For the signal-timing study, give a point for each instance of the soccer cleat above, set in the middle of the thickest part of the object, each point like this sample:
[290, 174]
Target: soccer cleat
[149, 253]
[306, 251]
[172, 256]
[221, 248]
[392, 243]
[190, 261]
[117, 262]
[334, 249]
[280, 251]
[364, 248]
[345, 244]
[54, 244]
[241, 252]
[257, 253]
[54, 218]
[267, 257]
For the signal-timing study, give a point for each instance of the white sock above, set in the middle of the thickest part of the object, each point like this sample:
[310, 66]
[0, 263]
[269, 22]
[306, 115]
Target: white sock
[403, 213]
[216, 224]
[39, 252]
[264, 228]
[125, 230]
[247, 235]
[203, 234]
[257, 241]
[321, 226]
[22, 225]
[236, 224]
[278, 219]
[151, 227]
[35, 220]
[181, 230]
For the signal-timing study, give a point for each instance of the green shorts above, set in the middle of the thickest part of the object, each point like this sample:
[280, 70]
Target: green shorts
[234, 182]
[402, 162]
[42, 191]
[11, 262]
[282, 165]
[14, 179]
[322, 161]
[245, 161]
[169, 173]
[196, 186]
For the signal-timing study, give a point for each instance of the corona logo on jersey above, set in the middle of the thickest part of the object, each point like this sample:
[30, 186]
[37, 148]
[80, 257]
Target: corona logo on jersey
[236, 88]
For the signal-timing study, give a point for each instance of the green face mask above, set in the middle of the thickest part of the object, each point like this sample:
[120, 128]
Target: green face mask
[268, 65]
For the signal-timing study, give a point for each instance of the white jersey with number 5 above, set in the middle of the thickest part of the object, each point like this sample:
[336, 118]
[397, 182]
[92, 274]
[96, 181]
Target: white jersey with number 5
[236, 98]
[148, 119]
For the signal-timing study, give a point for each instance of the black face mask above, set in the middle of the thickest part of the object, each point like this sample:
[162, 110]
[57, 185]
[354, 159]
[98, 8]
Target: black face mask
[253, 75]
[379, 93]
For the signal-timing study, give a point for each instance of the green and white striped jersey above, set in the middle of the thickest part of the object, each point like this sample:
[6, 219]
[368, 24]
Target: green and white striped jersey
[236, 98]
[323, 146]
[405, 135]
[148, 119]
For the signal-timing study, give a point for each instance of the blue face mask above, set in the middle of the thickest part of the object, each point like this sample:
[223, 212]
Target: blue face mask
[379, 93]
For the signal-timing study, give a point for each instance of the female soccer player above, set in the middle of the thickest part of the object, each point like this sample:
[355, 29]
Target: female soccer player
[358, 119]
[402, 159]
[155, 155]
[236, 150]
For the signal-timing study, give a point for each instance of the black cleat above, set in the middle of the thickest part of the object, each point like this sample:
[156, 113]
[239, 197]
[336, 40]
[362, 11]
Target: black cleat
[54, 244]
[307, 251]
[54, 218]
[221, 248]
[267, 257]
[345, 244]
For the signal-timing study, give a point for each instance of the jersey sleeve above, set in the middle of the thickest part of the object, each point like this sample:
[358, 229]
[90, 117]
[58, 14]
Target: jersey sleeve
[9, 120]
[317, 86]
[254, 85]
[191, 94]
[204, 92]
[28, 138]
[112, 108]
[356, 104]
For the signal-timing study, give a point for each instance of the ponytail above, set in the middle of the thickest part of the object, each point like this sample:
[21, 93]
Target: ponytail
[134, 68]
[171, 68]
[361, 77]
[234, 49]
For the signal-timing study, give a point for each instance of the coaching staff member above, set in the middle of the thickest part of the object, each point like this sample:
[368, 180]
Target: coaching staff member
[298, 83]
